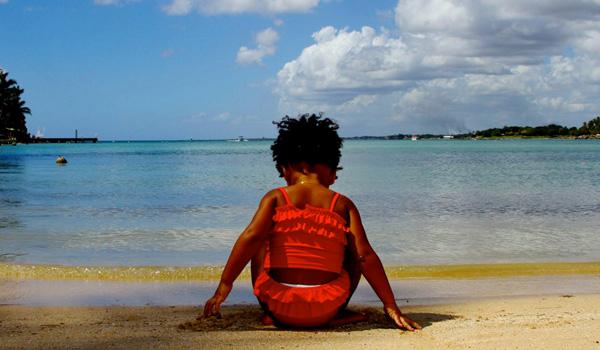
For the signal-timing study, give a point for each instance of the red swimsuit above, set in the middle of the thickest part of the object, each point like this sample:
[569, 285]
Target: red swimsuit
[310, 238]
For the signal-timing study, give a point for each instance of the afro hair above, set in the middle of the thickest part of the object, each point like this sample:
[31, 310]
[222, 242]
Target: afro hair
[308, 138]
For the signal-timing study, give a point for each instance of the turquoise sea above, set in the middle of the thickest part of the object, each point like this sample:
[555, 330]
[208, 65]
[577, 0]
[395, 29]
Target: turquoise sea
[184, 203]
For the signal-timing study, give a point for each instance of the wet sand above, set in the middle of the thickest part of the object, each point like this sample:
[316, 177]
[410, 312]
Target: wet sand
[543, 322]
[213, 273]
[513, 306]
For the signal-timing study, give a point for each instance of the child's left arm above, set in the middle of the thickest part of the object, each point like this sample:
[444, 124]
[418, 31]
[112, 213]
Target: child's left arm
[372, 269]
[246, 246]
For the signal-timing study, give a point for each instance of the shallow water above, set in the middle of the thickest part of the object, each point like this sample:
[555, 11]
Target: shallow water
[413, 292]
[184, 203]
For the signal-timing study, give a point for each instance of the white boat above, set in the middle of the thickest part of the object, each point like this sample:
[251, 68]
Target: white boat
[414, 138]
[239, 139]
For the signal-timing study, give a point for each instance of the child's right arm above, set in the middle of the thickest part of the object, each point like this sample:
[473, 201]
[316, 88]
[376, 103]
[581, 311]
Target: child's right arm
[246, 246]
[372, 269]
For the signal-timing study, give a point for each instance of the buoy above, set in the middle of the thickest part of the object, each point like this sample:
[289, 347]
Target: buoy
[61, 160]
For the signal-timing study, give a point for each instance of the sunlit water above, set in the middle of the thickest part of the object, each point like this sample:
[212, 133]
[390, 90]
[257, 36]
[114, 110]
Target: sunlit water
[184, 203]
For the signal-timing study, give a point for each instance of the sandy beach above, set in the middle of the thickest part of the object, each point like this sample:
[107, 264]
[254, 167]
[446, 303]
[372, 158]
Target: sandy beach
[544, 322]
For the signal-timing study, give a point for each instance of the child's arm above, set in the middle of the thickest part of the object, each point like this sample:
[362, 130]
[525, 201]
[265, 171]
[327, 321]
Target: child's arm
[372, 269]
[247, 245]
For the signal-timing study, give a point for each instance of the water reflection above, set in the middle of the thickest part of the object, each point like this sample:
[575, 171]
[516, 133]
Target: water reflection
[9, 257]
[11, 179]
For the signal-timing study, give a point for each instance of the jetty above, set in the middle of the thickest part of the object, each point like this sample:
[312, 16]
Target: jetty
[75, 139]
[63, 139]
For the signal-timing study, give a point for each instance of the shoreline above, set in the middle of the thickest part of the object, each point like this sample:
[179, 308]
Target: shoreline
[17, 271]
[161, 293]
[554, 322]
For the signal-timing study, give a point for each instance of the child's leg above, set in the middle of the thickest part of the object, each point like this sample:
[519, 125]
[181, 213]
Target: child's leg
[256, 268]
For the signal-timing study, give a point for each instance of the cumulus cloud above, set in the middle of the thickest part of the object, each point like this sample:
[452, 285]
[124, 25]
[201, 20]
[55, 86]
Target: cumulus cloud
[456, 65]
[265, 46]
[216, 7]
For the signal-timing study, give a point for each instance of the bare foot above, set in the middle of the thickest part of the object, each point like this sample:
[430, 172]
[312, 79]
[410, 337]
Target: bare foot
[347, 317]
[266, 320]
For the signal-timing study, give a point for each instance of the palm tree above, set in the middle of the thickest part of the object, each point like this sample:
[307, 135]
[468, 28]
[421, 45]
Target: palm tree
[12, 111]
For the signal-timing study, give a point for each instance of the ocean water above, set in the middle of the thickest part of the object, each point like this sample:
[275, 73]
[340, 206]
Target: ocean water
[185, 203]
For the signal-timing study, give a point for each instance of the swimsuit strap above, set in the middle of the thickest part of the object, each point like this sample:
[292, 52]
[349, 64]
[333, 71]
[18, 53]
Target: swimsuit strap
[333, 201]
[285, 195]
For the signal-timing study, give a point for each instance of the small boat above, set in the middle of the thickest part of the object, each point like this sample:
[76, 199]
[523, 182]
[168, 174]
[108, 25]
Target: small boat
[239, 139]
[414, 138]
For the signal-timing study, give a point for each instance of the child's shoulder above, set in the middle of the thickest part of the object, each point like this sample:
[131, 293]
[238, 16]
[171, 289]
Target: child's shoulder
[345, 202]
[273, 193]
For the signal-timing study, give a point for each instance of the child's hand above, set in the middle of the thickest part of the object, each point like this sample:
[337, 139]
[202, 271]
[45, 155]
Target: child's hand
[213, 305]
[403, 322]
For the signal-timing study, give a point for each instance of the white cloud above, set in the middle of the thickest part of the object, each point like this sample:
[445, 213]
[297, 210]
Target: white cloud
[112, 2]
[107, 2]
[216, 7]
[456, 64]
[233, 123]
[179, 7]
[265, 46]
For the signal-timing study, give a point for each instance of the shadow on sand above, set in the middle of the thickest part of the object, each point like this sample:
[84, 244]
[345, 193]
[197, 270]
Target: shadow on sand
[247, 318]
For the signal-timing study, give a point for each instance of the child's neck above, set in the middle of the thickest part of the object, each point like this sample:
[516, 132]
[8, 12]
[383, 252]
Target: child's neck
[310, 179]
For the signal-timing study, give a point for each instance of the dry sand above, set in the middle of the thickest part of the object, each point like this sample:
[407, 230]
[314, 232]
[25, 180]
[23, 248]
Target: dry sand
[544, 322]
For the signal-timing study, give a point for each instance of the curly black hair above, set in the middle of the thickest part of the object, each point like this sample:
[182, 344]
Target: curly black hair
[308, 138]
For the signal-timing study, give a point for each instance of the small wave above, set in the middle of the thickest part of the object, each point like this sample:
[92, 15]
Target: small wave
[181, 240]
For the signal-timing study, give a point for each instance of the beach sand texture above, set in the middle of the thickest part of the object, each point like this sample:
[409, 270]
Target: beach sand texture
[544, 322]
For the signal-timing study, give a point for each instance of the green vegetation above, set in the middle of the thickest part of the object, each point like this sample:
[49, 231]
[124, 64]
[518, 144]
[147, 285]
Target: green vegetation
[588, 129]
[12, 111]
[592, 127]
[552, 130]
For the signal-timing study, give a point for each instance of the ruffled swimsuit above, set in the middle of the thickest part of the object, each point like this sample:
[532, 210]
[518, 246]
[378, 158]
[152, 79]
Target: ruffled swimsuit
[310, 238]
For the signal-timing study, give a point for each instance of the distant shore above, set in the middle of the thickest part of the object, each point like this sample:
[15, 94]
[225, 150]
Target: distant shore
[418, 137]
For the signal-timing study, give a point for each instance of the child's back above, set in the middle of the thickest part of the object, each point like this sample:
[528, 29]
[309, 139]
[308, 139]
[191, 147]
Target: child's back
[307, 243]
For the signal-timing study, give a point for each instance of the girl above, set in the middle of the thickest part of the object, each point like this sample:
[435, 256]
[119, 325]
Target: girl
[307, 244]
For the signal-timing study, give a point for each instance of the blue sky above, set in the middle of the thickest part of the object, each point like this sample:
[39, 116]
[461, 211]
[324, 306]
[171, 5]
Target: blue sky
[206, 69]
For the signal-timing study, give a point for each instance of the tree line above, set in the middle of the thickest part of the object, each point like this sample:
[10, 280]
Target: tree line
[588, 128]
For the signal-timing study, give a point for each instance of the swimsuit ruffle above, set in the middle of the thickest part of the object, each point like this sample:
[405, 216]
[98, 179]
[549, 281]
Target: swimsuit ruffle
[303, 306]
[310, 220]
